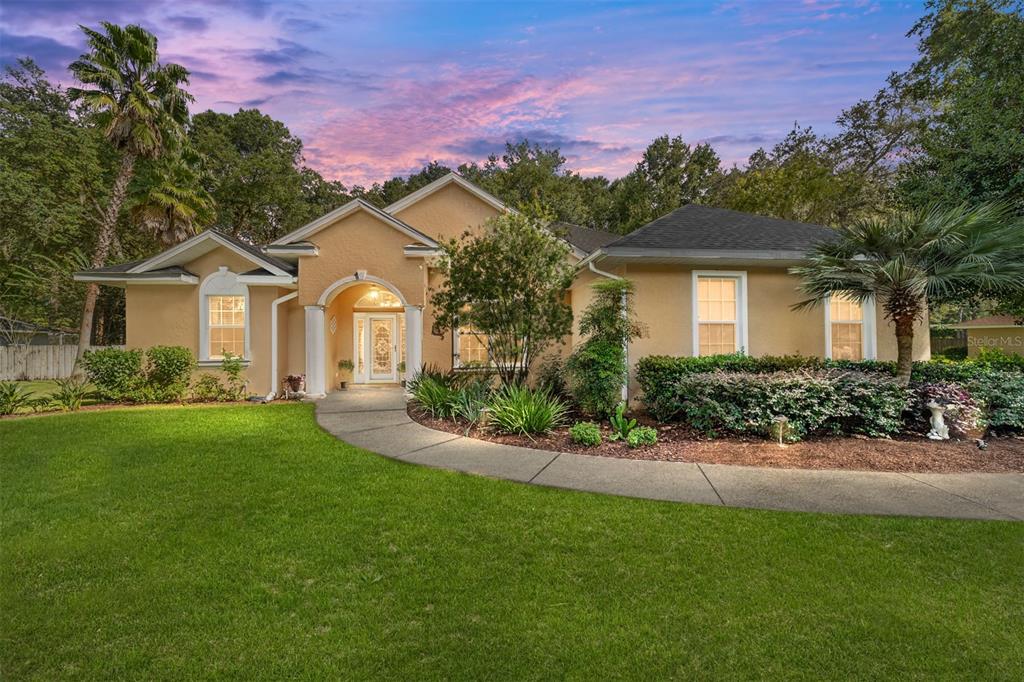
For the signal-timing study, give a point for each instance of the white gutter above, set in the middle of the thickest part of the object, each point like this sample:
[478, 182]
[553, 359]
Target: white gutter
[625, 344]
[273, 342]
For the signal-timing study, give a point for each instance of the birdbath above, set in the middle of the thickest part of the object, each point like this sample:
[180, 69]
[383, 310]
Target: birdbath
[939, 429]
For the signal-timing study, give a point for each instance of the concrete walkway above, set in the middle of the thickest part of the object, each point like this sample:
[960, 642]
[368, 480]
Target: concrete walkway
[374, 418]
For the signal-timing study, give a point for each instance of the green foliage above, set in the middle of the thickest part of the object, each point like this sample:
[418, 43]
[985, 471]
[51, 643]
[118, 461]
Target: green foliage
[517, 409]
[597, 368]
[235, 383]
[596, 371]
[622, 425]
[642, 436]
[585, 433]
[956, 353]
[433, 394]
[1002, 393]
[207, 388]
[912, 257]
[13, 397]
[507, 281]
[70, 393]
[117, 374]
[812, 402]
[670, 174]
[168, 371]
[551, 376]
[256, 176]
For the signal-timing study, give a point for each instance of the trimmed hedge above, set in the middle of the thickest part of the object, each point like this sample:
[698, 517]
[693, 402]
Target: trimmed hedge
[812, 403]
[996, 380]
[161, 374]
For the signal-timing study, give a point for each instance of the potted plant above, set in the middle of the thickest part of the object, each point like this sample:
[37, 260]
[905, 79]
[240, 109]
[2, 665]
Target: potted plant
[345, 368]
[401, 372]
[294, 385]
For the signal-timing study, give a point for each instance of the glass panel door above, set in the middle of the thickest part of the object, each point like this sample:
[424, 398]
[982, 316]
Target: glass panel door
[382, 349]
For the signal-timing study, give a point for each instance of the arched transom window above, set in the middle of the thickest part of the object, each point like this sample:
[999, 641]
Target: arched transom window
[378, 298]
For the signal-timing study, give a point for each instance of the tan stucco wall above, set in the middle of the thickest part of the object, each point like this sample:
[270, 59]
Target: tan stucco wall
[1010, 340]
[168, 315]
[361, 241]
[663, 302]
[447, 213]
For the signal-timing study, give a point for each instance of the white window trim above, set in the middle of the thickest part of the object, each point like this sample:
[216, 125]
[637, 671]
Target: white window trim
[220, 283]
[457, 359]
[868, 340]
[742, 338]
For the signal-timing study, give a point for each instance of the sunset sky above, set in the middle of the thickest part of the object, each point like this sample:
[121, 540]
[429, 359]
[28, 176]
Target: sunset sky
[379, 89]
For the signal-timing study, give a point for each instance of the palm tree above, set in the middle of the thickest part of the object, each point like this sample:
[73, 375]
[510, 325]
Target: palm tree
[175, 203]
[913, 257]
[141, 105]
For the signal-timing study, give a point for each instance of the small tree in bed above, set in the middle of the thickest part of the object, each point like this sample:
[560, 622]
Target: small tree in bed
[506, 285]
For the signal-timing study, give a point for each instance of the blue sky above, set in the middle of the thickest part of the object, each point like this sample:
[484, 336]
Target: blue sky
[378, 89]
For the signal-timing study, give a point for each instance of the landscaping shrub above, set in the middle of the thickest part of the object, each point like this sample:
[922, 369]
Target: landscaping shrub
[433, 394]
[1002, 393]
[585, 433]
[596, 371]
[642, 436]
[168, 370]
[957, 353]
[551, 376]
[70, 393]
[517, 409]
[207, 388]
[117, 374]
[13, 397]
[235, 383]
[469, 400]
[964, 417]
[813, 403]
[658, 375]
[621, 424]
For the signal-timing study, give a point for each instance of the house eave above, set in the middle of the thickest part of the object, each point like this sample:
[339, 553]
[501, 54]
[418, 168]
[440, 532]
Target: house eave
[269, 280]
[122, 279]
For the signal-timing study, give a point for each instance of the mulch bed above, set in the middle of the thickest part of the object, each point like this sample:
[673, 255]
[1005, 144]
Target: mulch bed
[677, 443]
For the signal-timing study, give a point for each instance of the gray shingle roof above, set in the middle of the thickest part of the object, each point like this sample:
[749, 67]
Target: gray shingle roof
[695, 227]
[585, 238]
[258, 253]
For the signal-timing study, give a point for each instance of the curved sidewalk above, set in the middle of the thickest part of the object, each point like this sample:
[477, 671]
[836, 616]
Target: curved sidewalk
[375, 419]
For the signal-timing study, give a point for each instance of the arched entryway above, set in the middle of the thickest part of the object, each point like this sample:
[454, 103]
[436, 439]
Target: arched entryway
[382, 337]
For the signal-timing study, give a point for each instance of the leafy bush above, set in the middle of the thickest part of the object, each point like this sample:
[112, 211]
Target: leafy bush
[433, 394]
[231, 365]
[117, 374]
[621, 425]
[1003, 395]
[517, 409]
[70, 393]
[14, 397]
[168, 370]
[551, 377]
[642, 436]
[468, 401]
[207, 388]
[812, 402]
[585, 433]
[963, 416]
[658, 375]
[596, 371]
[956, 353]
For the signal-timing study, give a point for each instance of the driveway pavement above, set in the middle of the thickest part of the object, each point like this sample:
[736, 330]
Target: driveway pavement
[374, 418]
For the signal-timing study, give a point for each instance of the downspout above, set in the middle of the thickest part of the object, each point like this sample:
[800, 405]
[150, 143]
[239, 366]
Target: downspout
[273, 341]
[625, 344]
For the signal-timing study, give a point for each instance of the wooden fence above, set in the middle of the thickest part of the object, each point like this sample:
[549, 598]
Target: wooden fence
[37, 362]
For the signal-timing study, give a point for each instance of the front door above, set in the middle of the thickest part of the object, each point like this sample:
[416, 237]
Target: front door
[383, 344]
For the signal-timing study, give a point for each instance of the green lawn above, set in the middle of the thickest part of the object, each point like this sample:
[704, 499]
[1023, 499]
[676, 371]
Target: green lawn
[243, 541]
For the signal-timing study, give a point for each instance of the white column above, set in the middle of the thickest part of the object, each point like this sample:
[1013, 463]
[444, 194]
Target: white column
[413, 340]
[316, 386]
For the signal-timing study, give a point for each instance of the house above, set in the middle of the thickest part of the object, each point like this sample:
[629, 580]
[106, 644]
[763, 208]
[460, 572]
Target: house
[354, 285]
[1002, 332]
